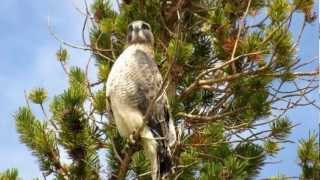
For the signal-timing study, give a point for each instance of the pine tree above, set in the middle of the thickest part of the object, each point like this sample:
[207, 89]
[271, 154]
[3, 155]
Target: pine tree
[231, 83]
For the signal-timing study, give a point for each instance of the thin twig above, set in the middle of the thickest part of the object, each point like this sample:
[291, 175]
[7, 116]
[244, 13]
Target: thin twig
[47, 118]
[238, 35]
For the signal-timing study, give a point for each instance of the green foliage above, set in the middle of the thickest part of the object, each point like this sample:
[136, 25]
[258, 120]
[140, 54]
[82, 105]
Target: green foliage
[38, 138]
[103, 71]
[306, 7]
[279, 10]
[303, 5]
[140, 165]
[234, 168]
[271, 147]
[231, 168]
[102, 9]
[38, 95]
[188, 158]
[62, 55]
[181, 51]
[254, 156]
[106, 25]
[118, 144]
[278, 177]
[76, 76]
[76, 134]
[214, 133]
[309, 157]
[10, 174]
[281, 43]
[252, 43]
[281, 128]
[251, 95]
[99, 101]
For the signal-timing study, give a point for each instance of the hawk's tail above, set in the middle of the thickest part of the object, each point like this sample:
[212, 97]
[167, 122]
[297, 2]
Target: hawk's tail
[165, 161]
[159, 154]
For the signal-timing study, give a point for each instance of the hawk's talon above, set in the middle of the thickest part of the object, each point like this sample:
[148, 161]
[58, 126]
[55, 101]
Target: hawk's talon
[131, 139]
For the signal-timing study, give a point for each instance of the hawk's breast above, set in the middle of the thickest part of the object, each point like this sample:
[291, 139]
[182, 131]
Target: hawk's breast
[132, 84]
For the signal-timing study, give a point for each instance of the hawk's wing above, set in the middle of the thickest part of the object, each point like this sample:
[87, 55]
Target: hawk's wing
[149, 84]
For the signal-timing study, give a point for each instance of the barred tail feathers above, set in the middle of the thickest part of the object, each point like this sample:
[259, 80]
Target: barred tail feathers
[158, 154]
[165, 161]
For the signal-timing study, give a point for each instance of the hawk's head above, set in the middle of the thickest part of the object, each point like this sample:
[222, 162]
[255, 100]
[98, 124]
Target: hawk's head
[139, 32]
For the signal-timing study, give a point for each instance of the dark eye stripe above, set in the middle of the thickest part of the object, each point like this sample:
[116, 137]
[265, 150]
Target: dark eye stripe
[145, 26]
[130, 28]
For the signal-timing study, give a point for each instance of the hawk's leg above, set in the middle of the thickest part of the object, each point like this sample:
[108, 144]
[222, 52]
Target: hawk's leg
[134, 137]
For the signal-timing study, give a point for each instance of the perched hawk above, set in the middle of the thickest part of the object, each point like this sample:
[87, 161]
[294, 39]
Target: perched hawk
[133, 83]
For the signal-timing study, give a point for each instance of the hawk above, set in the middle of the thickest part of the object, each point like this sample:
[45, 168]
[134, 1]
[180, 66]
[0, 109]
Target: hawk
[133, 83]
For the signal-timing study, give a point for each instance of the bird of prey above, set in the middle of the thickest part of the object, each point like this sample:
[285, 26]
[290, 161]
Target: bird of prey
[133, 83]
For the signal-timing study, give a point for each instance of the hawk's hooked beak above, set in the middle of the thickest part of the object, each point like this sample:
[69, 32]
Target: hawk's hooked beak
[136, 30]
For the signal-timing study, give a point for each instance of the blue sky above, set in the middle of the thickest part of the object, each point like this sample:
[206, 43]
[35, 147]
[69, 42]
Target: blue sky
[28, 60]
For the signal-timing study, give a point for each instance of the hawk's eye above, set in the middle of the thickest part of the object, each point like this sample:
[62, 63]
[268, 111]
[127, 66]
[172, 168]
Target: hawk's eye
[145, 26]
[130, 28]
